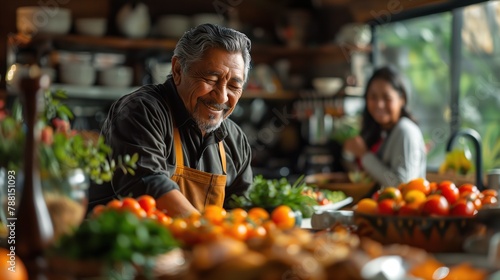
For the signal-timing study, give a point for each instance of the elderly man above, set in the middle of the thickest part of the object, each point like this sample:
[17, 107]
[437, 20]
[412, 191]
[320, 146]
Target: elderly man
[190, 154]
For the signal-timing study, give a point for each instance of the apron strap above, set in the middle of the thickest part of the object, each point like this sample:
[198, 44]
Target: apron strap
[222, 153]
[179, 159]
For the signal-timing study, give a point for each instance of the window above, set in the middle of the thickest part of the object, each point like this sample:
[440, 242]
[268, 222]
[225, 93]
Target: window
[421, 49]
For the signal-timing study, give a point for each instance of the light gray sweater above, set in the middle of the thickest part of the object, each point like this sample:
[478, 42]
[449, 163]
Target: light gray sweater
[401, 157]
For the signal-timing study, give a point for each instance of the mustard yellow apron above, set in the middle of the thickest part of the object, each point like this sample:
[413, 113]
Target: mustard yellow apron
[200, 188]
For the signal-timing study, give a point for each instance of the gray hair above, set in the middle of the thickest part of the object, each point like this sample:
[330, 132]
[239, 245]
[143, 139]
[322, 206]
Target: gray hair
[195, 42]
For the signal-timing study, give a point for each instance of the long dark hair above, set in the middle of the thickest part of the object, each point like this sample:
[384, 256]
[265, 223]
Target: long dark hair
[370, 129]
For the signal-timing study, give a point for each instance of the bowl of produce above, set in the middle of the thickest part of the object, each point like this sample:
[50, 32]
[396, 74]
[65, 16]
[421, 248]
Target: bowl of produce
[355, 184]
[435, 216]
[299, 196]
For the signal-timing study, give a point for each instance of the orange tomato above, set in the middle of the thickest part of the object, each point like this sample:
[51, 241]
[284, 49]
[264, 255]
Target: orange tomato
[19, 269]
[467, 188]
[489, 199]
[237, 231]
[114, 204]
[269, 226]
[366, 205]
[237, 215]
[420, 184]
[258, 214]
[130, 204]
[162, 218]
[283, 216]
[214, 214]
[147, 202]
[390, 193]
[98, 209]
[178, 227]
[491, 192]
[474, 197]
[256, 232]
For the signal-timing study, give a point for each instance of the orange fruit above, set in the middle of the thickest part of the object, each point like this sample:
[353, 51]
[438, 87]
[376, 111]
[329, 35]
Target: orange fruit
[258, 214]
[420, 184]
[415, 196]
[237, 215]
[214, 214]
[367, 205]
[11, 266]
[283, 217]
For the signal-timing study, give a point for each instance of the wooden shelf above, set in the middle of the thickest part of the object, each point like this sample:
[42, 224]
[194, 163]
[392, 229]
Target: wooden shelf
[121, 43]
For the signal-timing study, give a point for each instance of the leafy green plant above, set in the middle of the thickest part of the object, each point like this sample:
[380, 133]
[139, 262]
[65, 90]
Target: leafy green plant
[270, 193]
[61, 149]
[117, 237]
[491, 147]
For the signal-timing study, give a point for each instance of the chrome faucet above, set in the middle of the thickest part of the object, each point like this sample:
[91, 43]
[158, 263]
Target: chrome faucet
[476, 140]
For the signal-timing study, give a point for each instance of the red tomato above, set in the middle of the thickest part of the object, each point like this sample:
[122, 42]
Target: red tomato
[387, 207]
[148, 203]
[410, 209]
[467, 188]
[463, 207]
[436, 205]
[324, 201]
[449, 191]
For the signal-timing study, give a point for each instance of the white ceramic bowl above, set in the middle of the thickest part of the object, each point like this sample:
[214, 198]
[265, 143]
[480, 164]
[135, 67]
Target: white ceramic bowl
[91, 26]
[77, 74]
[119, 76]
[327, 85]
[43, 19]
[173, 26]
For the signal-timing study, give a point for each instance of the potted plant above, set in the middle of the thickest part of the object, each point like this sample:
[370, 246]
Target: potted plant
[68, 159]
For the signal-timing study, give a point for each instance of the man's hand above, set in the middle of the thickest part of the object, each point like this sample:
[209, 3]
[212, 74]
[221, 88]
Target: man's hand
[175, 204]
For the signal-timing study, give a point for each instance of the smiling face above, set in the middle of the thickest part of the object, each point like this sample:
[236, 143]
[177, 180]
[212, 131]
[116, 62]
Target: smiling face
[384, 103]
[211, 87]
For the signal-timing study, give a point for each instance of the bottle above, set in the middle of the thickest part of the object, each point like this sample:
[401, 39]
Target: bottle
[34, 226]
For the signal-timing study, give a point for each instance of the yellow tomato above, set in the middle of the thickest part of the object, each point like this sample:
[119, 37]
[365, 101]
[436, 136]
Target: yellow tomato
[367, 205]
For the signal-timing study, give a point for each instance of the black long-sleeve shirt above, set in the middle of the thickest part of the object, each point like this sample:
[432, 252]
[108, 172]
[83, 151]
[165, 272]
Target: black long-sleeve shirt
[142, 122]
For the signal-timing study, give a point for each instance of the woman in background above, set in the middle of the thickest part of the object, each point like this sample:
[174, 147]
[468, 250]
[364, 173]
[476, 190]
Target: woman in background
[390, 147]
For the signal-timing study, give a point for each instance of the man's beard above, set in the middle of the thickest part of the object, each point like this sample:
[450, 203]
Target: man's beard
[211, 124]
